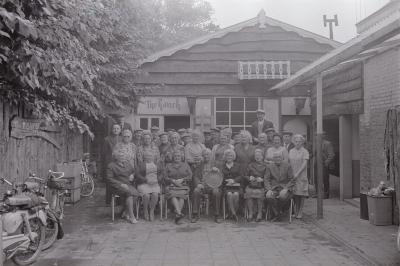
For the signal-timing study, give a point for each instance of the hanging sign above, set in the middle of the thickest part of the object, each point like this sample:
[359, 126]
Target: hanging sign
[163, 105]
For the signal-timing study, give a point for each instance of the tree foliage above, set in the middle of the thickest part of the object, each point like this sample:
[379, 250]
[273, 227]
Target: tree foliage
[68, 60]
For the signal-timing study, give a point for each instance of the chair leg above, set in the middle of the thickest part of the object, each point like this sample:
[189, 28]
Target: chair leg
[290, 211]
[137, 208]
[189, 208]
[166, 209]
[161, 206]
[223, 207]
[112, 208]
[207, 205]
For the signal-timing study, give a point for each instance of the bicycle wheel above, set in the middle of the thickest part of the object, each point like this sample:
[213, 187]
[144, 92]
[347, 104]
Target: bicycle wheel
[30, 255]
[87, 186]
[51, 230]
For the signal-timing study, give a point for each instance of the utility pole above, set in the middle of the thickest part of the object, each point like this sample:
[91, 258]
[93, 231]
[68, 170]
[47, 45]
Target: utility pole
[320, 189]
[330, 22]
[1, 240]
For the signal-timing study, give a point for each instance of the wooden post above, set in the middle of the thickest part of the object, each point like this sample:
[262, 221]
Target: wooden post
[320, 189]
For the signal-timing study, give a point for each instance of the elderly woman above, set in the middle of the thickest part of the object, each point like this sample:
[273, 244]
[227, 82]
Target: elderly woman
[218, 150]
[276, 149]
[298, 157]
[177, 177]
[127, 147]
[173, 147]
[194, 149]
[254, 193]
[245, 150]
[232, 175]
[148, 146]
[119, 177]
[148, 176]
[200, 187]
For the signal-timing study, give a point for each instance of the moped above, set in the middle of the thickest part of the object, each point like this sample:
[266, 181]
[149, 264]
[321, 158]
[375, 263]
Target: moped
[24, 220]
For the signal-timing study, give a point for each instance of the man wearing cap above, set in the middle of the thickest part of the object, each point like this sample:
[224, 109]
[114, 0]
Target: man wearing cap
[137, 137]
[215, 135]
[124, 125]
[270, 135]
[186, 138]
[208, 141]
[287, 140]
[260, 125]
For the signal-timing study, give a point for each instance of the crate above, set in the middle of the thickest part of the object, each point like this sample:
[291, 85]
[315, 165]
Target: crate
[72, 182]
[74, 195]
[380, 210]
[70, 169]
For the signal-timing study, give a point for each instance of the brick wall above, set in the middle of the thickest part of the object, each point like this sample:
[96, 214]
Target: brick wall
[381, 91]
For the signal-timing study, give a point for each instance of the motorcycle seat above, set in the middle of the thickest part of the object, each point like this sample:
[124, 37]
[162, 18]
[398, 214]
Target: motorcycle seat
[19, 200]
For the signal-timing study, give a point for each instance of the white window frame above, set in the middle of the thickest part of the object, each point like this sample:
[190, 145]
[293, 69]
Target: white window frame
[230, 111]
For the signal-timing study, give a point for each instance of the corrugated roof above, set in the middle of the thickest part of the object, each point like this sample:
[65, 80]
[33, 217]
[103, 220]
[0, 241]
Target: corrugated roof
[260, 19]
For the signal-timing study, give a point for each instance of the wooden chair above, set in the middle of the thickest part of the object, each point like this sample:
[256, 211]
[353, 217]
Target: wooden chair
[291, 209]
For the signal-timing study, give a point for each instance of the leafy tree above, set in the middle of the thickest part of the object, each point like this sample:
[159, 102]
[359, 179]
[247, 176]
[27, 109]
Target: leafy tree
[184, 20]
[66, 60]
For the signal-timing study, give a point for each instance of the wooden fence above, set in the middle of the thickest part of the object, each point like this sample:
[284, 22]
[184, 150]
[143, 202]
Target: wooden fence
[31, 146]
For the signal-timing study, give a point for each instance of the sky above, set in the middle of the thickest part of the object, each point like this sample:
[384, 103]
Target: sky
[306, 14]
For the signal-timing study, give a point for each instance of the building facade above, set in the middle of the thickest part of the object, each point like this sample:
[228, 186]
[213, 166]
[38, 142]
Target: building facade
[221, 79]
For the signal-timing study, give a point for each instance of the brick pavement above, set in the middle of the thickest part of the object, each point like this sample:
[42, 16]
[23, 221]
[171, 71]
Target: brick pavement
[93, 240]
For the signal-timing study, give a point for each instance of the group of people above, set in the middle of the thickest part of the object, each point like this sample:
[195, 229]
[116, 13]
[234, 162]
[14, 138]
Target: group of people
[256, 167]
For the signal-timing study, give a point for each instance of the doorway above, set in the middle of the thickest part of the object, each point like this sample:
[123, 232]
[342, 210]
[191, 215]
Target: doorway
[176, 122]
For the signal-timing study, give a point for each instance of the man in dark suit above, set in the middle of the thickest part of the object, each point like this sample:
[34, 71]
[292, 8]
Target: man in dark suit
[328, 155]
[287, 140]
[259, 126]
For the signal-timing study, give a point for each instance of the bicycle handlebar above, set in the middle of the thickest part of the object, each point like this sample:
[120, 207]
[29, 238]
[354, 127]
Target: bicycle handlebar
[6, 181]
[36, 178]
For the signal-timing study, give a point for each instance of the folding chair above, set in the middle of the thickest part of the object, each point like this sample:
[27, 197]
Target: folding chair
[115, 196]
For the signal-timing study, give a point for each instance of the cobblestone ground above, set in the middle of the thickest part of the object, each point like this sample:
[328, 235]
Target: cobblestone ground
[92, 239]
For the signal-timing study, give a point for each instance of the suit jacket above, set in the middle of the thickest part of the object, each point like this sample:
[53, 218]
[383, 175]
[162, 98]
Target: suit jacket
[254, 127]
[278, 177]
[291, 146]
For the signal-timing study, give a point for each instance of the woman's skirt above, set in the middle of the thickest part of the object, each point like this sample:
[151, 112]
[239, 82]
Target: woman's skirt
[123, 192]
[177, 192]
[148, 188]
[254, 193]
[301, 187]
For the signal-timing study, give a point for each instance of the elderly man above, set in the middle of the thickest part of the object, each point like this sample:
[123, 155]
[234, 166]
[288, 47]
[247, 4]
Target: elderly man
[137, 137]
[259, 126]
[287, 140]
[278, 183]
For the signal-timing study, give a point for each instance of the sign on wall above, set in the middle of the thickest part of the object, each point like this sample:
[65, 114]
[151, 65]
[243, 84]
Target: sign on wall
[163, 106]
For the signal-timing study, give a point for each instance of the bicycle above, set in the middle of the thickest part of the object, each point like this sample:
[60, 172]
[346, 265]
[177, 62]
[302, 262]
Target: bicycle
[87, 182]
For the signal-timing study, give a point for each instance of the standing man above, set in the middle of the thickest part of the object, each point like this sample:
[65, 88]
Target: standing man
[208, 139]
[215, 136]
[270, 135]
[123, 123]
[287, 140]
[327, 159]
[259, 126]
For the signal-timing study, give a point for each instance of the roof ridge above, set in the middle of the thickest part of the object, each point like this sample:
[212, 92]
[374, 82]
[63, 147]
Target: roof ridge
[237, 27]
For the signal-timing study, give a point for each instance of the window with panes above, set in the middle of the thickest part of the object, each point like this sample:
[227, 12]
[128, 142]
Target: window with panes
[235, 112]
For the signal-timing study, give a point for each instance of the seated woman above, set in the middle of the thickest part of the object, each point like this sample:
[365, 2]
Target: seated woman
[148, 177]
[200, 187]
[119, 176]
[232, 178]
[279, 183]
[177, 176]
[255, 189]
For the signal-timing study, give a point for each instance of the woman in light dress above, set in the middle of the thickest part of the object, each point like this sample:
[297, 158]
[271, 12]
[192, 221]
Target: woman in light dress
[298, 157]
